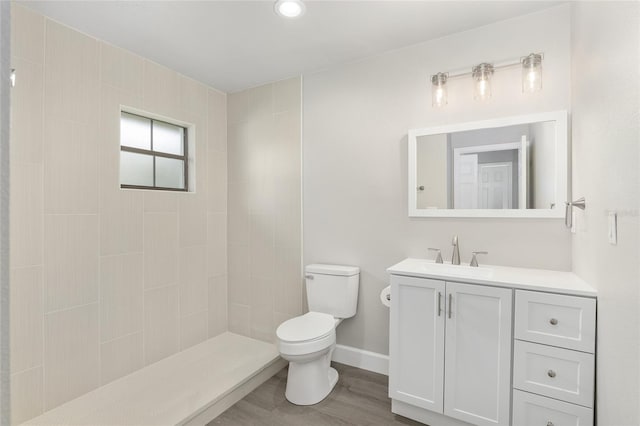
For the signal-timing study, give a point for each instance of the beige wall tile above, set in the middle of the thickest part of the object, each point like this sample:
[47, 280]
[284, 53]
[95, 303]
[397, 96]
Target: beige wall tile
[121, 217]
[193, 280]
[26, 214]
[160, 89]
[161, 323]
[72, 70]
[70, 166]
[287, 95]
[262, 254]
[160, 249]
[239, 274]
[121, 295]
[121, 69]
[71, 266]
[193, 96]
[217, 181]
[26, 395]
[27, 34]
[260, 102]
[289, 284]
[193, 329]
[238, 218]
[217, 244]
[239, 319]
[192, 217]
[26, 111]
[237, 107]
[160, 202]
[71, 361]
[120, 357]
[217, 121]
[262, 308]
[217, 308]
[26, 318]
[239, 154]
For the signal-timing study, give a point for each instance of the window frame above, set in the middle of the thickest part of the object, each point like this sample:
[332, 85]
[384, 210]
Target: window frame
[150, 152]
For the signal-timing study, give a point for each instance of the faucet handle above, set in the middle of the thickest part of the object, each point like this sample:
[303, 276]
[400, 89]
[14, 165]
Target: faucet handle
[438, 254]
[474, 260]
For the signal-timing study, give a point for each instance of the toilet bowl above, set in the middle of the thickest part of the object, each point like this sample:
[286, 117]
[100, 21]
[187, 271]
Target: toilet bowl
[308, 341]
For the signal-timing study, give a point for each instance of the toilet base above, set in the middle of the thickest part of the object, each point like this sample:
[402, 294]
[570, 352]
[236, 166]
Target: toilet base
[309, 383]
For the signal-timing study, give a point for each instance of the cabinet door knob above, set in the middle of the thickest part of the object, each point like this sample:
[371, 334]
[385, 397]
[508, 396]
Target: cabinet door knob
[551, 373]
[553, 321]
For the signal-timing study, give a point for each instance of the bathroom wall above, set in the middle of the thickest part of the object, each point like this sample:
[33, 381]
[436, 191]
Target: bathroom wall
[5, 33]
[356, 118]
[265, 276]
[606, 154]
[104, 281]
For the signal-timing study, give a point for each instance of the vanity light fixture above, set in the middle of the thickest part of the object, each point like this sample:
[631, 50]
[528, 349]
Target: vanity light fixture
[532, 73]
[482, 75]
[289, 8]
[439, 92]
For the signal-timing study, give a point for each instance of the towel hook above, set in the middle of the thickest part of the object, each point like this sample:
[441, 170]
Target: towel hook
[568, 212]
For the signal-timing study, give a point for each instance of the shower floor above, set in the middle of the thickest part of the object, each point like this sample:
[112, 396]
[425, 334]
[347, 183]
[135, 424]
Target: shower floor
[189, 388]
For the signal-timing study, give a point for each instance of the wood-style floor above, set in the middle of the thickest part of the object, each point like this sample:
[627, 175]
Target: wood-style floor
[360, 398]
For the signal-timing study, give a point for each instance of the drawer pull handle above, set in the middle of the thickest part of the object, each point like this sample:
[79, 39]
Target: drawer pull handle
[553, 321]
[551, 373]
[550, 423]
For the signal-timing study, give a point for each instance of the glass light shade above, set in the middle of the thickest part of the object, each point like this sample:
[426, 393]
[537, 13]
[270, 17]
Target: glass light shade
[439, 90]
[482, 75]
[532, 73]
[289, 8]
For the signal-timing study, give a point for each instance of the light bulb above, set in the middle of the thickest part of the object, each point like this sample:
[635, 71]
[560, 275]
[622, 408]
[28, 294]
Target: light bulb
[439, 90]
[289, 8]
[482, 74]
[532, 73]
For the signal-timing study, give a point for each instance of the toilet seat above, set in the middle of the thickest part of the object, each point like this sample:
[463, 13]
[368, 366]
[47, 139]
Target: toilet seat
[308, 333]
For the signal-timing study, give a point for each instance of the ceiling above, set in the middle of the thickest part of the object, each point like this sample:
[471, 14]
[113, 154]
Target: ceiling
[232, 45]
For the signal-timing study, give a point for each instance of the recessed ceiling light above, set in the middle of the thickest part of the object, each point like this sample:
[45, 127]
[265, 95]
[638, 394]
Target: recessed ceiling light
[289, 8]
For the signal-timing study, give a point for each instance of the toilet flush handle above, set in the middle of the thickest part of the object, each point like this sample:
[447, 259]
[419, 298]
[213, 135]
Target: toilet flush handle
[309, 277]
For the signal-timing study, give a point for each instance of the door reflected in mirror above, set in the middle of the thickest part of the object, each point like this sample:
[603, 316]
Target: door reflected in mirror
[506, 167]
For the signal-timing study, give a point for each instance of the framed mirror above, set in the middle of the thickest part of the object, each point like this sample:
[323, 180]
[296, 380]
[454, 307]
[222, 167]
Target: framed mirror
[505, 167]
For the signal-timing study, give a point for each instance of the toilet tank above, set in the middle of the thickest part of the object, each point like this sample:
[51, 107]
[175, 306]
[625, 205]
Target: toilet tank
[333, 289]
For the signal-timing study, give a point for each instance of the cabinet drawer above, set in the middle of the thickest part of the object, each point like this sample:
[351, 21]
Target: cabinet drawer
[558, 373]
[557, 320]
[534, 410]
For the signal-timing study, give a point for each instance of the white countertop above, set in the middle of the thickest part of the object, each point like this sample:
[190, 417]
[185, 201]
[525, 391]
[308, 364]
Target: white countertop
[499, 276]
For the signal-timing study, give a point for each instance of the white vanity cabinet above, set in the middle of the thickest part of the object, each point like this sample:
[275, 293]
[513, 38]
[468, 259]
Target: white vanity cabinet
[465, 375]
[491, 346]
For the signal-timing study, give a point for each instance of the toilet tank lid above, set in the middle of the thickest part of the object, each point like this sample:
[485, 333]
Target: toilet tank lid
[343, 270]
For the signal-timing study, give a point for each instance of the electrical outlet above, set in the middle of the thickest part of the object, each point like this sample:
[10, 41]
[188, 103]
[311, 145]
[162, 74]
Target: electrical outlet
[613, 228]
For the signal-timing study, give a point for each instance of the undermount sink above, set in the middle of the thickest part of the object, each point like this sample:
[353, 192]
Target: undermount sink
[429, 267]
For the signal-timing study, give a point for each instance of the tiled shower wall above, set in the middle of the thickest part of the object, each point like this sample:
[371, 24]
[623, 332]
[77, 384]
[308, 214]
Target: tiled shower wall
[265, 276]
[104, 280]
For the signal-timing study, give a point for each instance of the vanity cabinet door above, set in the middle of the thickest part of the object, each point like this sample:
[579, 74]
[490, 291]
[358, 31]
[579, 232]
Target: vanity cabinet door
[416, 349]
[478, 355]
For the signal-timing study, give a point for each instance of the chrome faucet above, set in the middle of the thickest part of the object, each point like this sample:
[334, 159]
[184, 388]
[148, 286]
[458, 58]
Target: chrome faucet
[455, 257]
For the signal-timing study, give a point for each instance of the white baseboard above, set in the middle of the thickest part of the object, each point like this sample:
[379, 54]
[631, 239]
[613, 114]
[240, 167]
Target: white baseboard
[366, 360]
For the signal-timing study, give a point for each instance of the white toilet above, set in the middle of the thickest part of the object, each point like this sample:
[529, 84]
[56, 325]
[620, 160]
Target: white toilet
[307, 341]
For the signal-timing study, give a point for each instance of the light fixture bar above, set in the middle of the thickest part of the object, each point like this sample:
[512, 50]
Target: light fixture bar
[464, 72]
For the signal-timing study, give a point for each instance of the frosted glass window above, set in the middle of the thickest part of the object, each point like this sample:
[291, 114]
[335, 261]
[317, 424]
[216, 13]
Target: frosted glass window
[168, 138]
[169, 173]
[153, 154]
[135, 131]
[136, 169]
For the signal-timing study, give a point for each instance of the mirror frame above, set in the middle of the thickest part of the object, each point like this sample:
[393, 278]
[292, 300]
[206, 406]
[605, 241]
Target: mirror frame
[561, 174]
